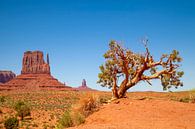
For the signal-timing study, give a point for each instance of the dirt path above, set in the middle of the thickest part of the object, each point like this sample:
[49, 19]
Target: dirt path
[142, 114]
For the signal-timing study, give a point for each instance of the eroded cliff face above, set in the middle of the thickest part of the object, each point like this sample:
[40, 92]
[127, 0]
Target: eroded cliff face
[35, 75]
[6, 76]
[33, 63]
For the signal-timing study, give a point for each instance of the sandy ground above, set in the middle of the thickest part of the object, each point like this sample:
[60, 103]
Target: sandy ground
[141, 110]
[142, 114]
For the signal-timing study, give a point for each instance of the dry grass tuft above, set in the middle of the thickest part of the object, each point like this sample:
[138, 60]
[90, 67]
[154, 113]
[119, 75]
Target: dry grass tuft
[87, 104]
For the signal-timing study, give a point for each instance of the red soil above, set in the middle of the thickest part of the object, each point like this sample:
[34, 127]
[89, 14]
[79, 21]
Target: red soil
[142, 114]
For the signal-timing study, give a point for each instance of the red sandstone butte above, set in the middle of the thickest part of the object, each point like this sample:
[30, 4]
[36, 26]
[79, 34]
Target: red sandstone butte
[84, 87]
[35, 74]
[33, 63]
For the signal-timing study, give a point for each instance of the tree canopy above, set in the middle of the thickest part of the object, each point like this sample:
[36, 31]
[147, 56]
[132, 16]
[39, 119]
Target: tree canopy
[131, 68]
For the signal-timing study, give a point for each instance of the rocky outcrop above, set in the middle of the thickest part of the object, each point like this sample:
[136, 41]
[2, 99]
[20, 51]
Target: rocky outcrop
[35, 75]
[84, 83]
[33, 63]
[6, 76]
[84, 87]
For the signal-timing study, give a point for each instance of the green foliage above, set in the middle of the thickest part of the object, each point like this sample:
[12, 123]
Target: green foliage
[153, 70]
[2, 99]
[70, 119]
[11, 123]
[188, 99]
[185, 100]
[174, 56]
[78, 118]
[86, 105]
[123, 65]
[168, 80]
[22, 109]
[66, 120]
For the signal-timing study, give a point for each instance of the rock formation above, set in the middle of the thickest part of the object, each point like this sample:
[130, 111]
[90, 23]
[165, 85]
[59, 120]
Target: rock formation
[35, 74]
[33, 63]
[84, 87]
[6, 76]
[84, 84]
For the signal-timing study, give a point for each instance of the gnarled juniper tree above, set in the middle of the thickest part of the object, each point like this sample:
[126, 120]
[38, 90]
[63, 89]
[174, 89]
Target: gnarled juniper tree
[130, 68]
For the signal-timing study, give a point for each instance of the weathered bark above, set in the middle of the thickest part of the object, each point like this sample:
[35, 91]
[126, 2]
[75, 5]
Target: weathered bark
[122, 91]
[115, 90]
[115, 93]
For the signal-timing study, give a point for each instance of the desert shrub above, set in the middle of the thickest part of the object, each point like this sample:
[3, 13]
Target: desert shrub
[188, 99]
[22, 109]
[185, 100]
[65, 121]
[2, 99]
[87, 105]
[70, 119]
[103, 99]
[11, 123]
[77, 118]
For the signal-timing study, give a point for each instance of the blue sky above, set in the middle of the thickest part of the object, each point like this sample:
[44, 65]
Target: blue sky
[76, 34]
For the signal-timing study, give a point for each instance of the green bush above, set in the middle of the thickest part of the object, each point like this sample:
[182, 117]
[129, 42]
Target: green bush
[18, 105]
[11, 123]
[22, 109]
[104, 99]
[78, 118]
[185, 100]
[66, 120]
[2, 99]
[85, 106]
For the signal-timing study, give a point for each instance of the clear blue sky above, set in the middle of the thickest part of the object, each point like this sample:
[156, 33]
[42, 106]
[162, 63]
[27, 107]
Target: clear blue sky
[76, 34]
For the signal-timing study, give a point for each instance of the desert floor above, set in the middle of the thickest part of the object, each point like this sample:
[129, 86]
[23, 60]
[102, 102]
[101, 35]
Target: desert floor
[140, 110]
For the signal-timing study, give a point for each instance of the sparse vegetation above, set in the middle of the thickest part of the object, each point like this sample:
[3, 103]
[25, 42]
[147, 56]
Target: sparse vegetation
[22, 109]
[2, 99]
[87, 104]
[185, 99]
[78, 104]
[77, 118]
[103, 99]
[11, 123]
[65, 121]
[43, 103]
[188, 99]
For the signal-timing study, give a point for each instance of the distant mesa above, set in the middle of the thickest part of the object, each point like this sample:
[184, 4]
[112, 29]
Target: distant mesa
[35, 74]
[6, 76]
[84, 87]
